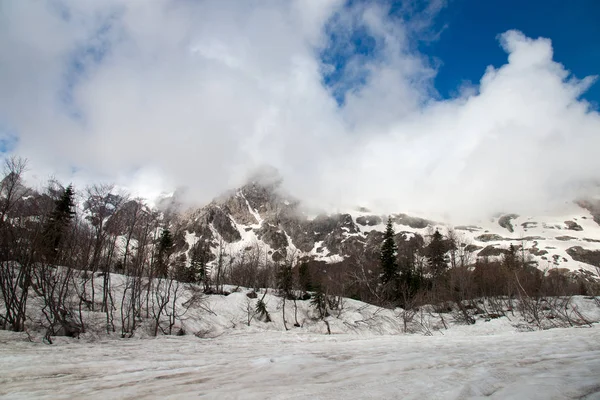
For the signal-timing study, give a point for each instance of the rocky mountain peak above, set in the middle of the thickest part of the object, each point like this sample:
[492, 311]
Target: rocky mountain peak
[260, 213]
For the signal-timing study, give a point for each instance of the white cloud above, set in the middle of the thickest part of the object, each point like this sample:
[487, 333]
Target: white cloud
[200, 93]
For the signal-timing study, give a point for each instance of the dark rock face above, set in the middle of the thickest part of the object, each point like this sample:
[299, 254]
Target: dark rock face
[273, 236]
[527, 225]
[333, 230]
[373, 243]
[179, 243]
[491, 251]
[492, 237]
[565, 238]
[264, 198]
[580, 254]
[413, 222]
[573, 226]
[219, 218]
[369, 220]
[279, 255]
[239, 211]
[489, 237]
[470, 228]
[472, 248]
[593, 206]
[505, 221]
[537, 252]
[352, 245]
[591, 240]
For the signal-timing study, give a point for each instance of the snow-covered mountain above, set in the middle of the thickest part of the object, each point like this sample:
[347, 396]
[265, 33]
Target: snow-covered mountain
[260, 215]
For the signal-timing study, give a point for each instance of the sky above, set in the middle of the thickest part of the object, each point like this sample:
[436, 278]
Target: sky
[454, 108]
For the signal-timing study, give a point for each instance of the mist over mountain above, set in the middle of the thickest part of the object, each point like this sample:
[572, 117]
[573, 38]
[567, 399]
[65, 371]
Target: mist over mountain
[160, 95]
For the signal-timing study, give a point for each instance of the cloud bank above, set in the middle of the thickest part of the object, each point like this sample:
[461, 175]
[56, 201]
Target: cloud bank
[170, 93]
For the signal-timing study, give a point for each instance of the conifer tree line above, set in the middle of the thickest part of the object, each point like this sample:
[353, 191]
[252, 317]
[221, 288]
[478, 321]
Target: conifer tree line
[443, 271]
[63, 248]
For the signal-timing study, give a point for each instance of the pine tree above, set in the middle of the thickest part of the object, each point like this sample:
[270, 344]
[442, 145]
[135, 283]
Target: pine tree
[437, 257]
[198, 263]
[304, 277]
[409, 279]
[64, 212]
[285, 281]
[510, 259]
[319, 302]
[165, 248]
[262, 312]
[388, 256]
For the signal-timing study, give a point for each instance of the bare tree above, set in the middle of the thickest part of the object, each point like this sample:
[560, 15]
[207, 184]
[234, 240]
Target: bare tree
[15, 253]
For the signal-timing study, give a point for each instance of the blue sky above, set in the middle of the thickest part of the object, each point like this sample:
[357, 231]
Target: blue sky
[466, 39]
[469, 42]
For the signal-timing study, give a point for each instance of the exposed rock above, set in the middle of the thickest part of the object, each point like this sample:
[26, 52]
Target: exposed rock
[369, 220]
[472, 248]
[263, 198]
[573, 226]
[413, 222]
[272, 236]
[238, 209]
[580, 254]
[222, 223]
[489, 237]
[352, 245]
[547, 226]
[505, 221]
[528, 238]
[565, 238]
[491, 251]
[470, 228]
[527, 225]
[179, 243]
[279, 255]
[593, 206]
[373, 244]
[334, 231]
[537, 252]
[282, 224]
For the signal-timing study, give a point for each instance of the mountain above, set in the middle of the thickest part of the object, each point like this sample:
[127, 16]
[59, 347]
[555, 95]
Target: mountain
[260, 215]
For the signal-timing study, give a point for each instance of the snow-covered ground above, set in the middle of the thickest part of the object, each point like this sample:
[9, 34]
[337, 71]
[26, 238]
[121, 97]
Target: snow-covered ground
[553, 364]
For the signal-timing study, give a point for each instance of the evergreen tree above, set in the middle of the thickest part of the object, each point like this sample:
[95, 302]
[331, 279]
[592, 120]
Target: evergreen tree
[183, 273]
[165, 248]
[304, 278]
[511, 259]
[388, 256]
[319, 302]
[409, 279]
[437, 255]
[61, 216]
[285, 280]
[262, 312]
[198, 263]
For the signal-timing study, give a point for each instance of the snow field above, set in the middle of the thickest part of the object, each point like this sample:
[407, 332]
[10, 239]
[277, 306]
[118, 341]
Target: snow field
[552, 364]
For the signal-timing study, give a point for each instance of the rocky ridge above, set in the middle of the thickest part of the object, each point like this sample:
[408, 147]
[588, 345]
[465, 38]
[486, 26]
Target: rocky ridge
[260, 215]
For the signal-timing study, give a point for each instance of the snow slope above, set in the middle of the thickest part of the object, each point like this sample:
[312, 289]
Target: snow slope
[554, 364]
